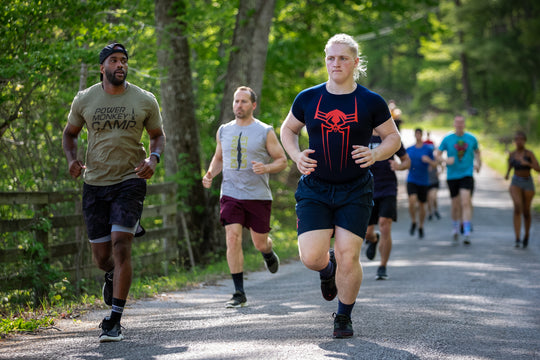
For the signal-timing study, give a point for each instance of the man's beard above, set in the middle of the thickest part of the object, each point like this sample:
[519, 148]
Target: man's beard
[113, 79]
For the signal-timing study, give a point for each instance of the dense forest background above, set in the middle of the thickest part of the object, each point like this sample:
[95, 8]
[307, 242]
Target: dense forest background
[434, 58]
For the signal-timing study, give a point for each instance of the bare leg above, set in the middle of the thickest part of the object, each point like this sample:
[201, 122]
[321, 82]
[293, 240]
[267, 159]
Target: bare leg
[123, 272]
[349, 270]
[517, 199]
[235, 255]
[385, 244]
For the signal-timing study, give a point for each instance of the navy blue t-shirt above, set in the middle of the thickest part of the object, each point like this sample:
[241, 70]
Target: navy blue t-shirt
[384, 178]
[334, 124]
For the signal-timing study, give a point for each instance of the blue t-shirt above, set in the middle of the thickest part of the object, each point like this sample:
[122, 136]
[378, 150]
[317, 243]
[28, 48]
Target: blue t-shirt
[462, 148]
[418, 173]
[384, 178]
[334, 124]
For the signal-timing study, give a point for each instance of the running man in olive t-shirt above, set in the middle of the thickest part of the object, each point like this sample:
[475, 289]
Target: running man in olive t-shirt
[116, 168]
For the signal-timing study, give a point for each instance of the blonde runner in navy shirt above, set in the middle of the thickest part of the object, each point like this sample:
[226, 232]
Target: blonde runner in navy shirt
[335, 193]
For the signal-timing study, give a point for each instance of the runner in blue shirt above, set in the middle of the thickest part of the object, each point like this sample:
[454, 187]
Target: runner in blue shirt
[418, 181]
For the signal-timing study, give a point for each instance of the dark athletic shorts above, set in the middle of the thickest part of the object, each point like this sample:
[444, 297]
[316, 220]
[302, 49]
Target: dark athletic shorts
[119, 204]
[455, 185]
[386, 207]
[251, 214]
[321, 205]
[420, 191]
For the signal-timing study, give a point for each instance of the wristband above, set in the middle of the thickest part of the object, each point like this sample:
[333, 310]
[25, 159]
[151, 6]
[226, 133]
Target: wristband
[158, 157]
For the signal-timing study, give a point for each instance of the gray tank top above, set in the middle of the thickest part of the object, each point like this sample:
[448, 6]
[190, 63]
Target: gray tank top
[240, 146]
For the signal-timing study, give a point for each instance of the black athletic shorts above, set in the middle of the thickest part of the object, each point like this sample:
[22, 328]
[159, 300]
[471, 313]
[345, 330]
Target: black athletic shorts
[420, 191]
[455, 185]
[118, 204]
[321, 205]
[386, 207]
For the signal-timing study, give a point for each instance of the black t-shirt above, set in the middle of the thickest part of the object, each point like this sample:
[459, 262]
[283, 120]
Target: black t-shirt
[334, 124]
[384, 178]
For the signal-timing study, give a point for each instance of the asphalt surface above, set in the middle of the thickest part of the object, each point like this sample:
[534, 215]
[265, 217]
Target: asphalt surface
[442, 301]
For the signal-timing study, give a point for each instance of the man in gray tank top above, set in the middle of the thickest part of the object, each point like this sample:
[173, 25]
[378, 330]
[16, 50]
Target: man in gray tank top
[245, 148]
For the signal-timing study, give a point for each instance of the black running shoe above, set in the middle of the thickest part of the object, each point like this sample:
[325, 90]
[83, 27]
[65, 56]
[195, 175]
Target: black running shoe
[238, 300]
[272, 264]
[381, 273]
[517, 243]
[371, 250]
[466, 240]
[412, 229]
[328, 286]
[437, 215]
[421, 233]
[525, 242]
[342, 326]
[110, 331]
[107, 290]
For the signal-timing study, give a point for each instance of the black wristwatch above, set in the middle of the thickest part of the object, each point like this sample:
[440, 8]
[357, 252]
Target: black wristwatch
[158, 157]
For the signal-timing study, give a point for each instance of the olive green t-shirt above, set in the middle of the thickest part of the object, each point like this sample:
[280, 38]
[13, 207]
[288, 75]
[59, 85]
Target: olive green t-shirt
[115, 125]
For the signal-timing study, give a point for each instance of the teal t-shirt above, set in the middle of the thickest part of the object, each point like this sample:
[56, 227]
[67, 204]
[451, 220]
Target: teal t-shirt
[462, 149]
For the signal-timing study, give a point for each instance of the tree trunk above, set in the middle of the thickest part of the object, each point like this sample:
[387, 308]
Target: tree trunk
[465, 81]
[182, 160]
[248, 57]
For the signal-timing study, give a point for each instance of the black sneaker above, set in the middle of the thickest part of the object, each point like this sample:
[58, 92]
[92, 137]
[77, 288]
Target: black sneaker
[342, 326]
[371, 250]
[272, 264]
[437, 215]
[381, 273]
[466, 240]
[110, 331]
[412, 229]
[107, 290]
[238, 300]
[328, 286]
[525, 242]
[421, 233]
[517, 243]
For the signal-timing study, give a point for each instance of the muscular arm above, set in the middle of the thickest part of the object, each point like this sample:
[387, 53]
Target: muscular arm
[403, 165]
[276, 152]
[290, 129]
[391, 141]
[147, 167]
[509, 166]
[477, 160]
[534, 162]
[69, 144]
[216, 165]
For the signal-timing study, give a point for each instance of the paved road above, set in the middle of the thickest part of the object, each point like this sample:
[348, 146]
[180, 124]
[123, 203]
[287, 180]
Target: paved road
[442, 301]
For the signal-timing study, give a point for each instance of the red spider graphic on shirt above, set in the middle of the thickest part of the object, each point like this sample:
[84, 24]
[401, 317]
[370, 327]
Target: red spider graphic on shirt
[336, 121]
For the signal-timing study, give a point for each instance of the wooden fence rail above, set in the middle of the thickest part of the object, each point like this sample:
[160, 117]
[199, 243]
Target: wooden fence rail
[69, 251]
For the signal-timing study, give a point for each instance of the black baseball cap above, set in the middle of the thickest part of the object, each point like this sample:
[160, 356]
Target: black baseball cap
[111, 49]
